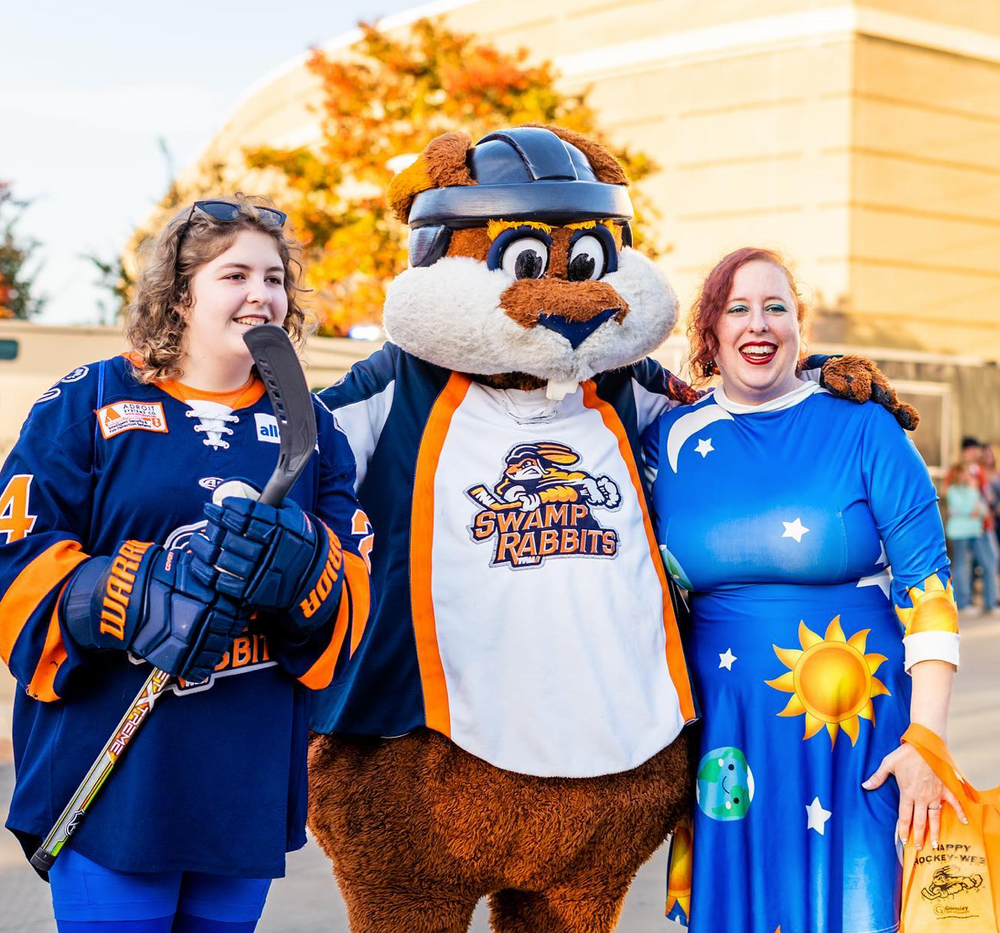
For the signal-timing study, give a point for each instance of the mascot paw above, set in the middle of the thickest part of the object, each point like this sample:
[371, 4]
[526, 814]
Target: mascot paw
[860, 380]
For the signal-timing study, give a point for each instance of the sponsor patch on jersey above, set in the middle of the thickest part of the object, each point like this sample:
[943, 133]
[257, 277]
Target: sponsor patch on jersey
[267, 428]
[542, 506]
[211, 482]
[131, 416]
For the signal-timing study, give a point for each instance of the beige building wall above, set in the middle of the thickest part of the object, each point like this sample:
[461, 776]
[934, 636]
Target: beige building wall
[925, 219]
[861, 138]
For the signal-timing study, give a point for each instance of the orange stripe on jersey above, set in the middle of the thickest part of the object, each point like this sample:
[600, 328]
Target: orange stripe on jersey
[321, 673]
[356, 580]
[31, 586]
[432, 680]
[246, 395]
[42, 686]
[675, 652]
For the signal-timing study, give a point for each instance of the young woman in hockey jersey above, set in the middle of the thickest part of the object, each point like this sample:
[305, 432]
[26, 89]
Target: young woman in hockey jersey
[103, 504]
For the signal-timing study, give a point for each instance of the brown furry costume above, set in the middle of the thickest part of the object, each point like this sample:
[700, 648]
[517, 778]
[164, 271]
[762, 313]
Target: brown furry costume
[419, 829]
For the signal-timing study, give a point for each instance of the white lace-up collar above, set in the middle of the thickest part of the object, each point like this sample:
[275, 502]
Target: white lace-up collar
[214, 410]
[214, 419]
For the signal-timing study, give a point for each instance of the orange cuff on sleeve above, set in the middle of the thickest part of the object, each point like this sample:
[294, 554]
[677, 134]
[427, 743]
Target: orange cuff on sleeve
[31, 586]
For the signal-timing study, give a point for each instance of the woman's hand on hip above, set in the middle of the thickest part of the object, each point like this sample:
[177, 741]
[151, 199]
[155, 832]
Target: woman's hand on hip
[921, 794]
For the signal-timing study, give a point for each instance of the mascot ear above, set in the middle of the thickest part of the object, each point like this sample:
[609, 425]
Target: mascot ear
[441, 165]
[558, 453]
[604, 164]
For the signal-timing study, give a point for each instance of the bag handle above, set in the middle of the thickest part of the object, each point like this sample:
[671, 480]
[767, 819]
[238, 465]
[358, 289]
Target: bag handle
[934, 751]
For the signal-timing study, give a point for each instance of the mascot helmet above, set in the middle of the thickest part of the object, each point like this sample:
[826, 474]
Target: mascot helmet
[524, 173]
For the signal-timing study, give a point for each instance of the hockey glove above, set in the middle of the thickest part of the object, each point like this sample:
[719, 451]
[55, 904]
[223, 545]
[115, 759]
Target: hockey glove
[279, 560]
[146, 600]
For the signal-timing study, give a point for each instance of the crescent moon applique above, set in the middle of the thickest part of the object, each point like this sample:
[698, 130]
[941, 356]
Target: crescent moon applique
[690, 424]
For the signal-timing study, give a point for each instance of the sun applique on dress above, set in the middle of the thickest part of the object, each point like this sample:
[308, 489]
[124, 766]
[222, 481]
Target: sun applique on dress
[933, 607]
[831, 679]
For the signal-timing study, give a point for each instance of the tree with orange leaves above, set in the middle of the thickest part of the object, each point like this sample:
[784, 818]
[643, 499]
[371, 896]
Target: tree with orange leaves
[16, 299]
[381, 104]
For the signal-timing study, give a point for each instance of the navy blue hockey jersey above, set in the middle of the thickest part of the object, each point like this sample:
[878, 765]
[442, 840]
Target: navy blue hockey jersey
[216, 782]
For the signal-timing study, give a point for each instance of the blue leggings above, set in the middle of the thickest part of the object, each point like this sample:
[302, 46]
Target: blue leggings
[89, 898]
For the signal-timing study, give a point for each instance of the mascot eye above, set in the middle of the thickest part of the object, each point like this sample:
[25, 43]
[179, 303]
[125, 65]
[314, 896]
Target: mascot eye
[587, 259]
[525, 258]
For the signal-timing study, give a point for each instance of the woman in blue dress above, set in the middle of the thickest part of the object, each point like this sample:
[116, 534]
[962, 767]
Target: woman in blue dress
[781, 509]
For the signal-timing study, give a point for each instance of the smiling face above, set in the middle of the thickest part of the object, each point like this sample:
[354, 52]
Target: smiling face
[758, 335]
[240, 288]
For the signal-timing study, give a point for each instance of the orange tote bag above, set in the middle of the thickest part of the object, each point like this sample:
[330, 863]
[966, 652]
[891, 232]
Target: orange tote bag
[955, 887]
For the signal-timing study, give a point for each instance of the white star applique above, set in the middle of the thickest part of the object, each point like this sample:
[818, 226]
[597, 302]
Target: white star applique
[704, 446]
[816, 817]
[882, 579]
[795, 530]
[726, 660]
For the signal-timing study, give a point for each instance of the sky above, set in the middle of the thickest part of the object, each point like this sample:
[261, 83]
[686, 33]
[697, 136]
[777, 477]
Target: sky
[88, 90]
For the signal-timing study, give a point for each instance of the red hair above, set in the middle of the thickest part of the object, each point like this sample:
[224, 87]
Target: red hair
[712, 299]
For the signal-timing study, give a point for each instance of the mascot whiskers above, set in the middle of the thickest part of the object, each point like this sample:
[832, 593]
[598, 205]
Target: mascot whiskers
[511, 721]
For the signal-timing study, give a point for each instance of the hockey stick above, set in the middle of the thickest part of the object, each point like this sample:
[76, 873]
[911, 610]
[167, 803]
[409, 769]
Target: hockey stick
[281, 372]
[488, 501]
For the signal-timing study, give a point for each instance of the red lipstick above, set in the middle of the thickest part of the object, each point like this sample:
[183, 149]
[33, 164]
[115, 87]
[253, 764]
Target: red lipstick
[758, 352]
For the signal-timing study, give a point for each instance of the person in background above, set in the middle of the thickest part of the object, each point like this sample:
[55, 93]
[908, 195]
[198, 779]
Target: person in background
[967, 509]
[989, 462]
[986, 554]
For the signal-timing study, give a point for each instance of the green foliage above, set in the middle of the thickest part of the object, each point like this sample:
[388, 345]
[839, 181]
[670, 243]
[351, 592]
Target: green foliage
[16, 279]
[114, 278]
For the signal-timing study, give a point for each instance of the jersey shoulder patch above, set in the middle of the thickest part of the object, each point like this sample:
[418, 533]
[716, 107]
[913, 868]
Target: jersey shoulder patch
[128, 415]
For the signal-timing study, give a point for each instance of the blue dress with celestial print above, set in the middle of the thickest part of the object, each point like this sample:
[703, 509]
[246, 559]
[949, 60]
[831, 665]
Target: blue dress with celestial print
[782, 521]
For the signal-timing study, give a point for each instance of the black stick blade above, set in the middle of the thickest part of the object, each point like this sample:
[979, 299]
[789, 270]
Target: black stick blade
[281, 372]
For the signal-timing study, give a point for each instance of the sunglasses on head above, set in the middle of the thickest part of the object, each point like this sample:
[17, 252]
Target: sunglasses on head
[227, 211]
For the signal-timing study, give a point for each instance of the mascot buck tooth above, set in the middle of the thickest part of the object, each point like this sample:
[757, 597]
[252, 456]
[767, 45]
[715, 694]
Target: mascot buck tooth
[511, 720]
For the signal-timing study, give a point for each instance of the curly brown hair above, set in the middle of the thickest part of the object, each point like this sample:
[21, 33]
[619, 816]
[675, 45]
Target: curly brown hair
[711, 302]
[154, 319]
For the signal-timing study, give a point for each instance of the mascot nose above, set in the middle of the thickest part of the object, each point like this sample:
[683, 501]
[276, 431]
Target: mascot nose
[574, 310]
[575, 331]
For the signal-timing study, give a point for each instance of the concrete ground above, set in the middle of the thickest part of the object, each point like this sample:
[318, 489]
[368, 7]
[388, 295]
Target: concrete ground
[307, 900]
